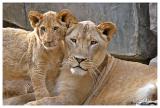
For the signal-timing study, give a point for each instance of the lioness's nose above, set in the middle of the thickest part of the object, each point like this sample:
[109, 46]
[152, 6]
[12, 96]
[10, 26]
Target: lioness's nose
[79, 60]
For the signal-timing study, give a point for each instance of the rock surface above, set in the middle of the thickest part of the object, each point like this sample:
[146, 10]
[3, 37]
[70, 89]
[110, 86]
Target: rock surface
[153, 62]
[136, 37]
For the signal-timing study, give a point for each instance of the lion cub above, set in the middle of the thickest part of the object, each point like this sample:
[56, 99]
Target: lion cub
[37, 53]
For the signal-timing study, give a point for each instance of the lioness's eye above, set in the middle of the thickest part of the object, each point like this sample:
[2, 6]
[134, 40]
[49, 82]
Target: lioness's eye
[55, 28]
[43, 29]
[73, 40]
[93, 42]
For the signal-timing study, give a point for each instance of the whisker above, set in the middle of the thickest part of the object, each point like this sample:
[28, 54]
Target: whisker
[95, 74]
[65, 61]
[93, 78]
[92, 71]
[99, 72]
[100, 75]
[97, 69]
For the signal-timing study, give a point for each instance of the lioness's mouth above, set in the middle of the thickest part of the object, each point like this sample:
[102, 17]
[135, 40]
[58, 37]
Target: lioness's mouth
[80, 68]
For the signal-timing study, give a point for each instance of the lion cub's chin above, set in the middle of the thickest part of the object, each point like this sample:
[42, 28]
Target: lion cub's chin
[49, 48]
[78, 71]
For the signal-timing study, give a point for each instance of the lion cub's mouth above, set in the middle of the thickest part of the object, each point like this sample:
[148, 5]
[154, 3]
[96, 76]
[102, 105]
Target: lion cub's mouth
[49, 44]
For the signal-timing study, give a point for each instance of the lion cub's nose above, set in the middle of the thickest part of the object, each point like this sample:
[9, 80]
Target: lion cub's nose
[79, 60]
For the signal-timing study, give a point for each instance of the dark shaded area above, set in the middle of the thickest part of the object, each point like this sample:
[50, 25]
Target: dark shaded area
[9, 24]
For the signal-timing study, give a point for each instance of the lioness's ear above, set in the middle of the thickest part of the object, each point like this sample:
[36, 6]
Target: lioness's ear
[65, 17]
[108, 29]
[34, 18]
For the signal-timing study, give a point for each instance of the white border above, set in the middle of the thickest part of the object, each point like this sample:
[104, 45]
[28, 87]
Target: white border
[82, 1]
[75, 1]
[1, 68]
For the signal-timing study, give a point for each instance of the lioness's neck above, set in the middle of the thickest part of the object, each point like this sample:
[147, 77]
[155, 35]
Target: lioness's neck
[103, 75]
[104, 62]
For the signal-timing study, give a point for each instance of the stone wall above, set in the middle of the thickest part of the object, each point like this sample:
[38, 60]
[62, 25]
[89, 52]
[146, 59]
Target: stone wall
[136, 37]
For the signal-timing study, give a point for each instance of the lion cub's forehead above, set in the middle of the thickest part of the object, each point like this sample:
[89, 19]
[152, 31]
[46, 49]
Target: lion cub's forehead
[49, 19]
[50, 13]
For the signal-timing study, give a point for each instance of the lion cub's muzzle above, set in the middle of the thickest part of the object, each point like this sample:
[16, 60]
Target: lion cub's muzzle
[51, 44]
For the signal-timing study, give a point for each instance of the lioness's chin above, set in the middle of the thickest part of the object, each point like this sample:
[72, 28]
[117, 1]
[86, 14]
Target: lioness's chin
[78, 71]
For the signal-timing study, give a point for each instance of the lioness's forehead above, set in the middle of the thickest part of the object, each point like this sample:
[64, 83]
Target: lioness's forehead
[88, 27]
[83, 29]
[90, 23]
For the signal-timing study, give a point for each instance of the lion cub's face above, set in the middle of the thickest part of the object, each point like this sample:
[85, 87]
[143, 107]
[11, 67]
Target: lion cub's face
[87, 45]
[50, 32]
[50, 27]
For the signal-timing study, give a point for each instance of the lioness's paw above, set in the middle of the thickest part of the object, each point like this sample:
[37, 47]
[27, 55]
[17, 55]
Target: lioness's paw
[147, 103]
[31, 103]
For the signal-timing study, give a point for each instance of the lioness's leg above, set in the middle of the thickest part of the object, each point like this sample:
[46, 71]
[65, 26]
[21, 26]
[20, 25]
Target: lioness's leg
[69, 90]
[147, 103]
[146, 94]
[19, 100]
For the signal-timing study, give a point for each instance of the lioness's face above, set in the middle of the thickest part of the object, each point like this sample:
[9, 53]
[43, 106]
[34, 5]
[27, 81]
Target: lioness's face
[50, 27]
[87, 45]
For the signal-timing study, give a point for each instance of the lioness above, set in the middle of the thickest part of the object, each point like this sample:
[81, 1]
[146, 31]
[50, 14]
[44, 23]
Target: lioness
[90, 75]
[38, 53]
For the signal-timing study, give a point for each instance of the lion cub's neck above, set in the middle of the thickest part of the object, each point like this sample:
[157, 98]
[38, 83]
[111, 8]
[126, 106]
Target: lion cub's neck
[36, 50]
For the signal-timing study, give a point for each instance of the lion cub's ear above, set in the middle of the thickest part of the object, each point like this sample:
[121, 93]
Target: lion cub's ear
[108, 29]
[66, 18]
[34, 18]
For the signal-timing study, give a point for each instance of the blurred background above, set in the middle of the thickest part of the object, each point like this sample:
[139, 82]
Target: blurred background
[136, 37]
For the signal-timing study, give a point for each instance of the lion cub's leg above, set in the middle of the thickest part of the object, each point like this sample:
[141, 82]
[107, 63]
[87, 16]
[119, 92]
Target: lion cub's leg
[16, 87]
[146, 94]
[38, 78]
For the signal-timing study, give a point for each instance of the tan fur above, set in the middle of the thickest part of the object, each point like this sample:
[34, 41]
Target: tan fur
[90, 75]
[37, 53]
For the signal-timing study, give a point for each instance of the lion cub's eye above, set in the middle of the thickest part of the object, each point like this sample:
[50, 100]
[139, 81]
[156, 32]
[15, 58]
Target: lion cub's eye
[73, 40]
[43, 29]
[55, 28]
[93, 42]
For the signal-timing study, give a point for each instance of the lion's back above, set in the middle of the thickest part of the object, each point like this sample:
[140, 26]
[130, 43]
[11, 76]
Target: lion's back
[15, 44]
